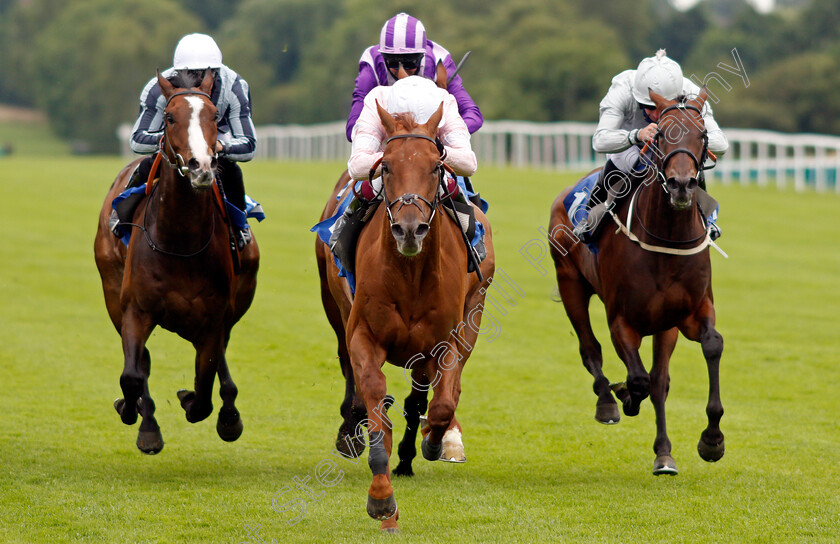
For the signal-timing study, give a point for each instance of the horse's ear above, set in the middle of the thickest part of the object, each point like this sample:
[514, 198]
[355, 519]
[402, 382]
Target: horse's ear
[387, 119]
[440, 75]
[207, 81]
[660, 101]
[166, 88]
[433, 122]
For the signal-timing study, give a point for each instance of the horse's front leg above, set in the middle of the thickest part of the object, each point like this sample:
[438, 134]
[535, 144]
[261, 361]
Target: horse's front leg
[576, 295]
[446, 368]
[134, 381]
[637, 388]
[663, 347]
[352, 409]
[701, 328]
[198, 404]
[367, 359]
[229, 425]
[416, 404]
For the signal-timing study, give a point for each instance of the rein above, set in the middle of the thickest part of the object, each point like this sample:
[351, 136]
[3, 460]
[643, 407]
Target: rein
[706, 237]
[145, 228]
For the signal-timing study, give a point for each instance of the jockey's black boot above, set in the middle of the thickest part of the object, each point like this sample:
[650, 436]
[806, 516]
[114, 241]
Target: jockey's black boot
[141, 172]
[234, 185]
[599, 201]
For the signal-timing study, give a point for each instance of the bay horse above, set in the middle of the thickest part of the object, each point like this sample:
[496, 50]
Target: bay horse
[412, 304]
[654, 279]
[178, 269]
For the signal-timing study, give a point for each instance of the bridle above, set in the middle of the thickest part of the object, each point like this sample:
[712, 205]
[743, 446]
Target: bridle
[182, 169]
[412, 199]
[705, 238]
[699, 163]
[177, 163]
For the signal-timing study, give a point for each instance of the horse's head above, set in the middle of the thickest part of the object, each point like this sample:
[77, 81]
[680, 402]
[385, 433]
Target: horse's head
[189, 129]
[682, 143]
[411, 167]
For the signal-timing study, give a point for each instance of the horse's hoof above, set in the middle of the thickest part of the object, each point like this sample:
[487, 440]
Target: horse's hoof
[431, 452]
[188, 403]
[631, 408]
[382, 509]
[664, 464]
[403, 469]
[389, 526]
[229, 430]
[710, 452]
[607, 413]
[453, 447]
[349, 446]
[127, 417]
[150, 442]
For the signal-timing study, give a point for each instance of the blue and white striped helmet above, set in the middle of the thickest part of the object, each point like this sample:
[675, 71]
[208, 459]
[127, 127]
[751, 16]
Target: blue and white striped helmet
[402, 34]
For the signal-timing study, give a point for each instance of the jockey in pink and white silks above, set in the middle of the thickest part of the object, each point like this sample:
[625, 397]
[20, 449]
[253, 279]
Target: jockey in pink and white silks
[420, 97]
[403, 41]
[628, 118]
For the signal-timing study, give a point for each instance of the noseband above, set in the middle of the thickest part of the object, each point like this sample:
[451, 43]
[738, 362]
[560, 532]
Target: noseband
[178, 163]
[411, 199]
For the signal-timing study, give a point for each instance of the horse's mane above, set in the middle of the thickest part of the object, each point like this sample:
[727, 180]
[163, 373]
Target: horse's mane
[186, 79]
[407, 120]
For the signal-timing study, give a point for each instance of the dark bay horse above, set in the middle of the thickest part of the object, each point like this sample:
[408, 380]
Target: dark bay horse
[413, 298]
[178, 269]
[659, 282]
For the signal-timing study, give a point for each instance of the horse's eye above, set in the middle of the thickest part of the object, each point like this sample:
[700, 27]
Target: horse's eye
[385, 168]
[167, 117]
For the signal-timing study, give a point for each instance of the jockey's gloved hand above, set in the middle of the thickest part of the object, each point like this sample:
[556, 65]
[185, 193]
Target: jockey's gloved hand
[441, 149]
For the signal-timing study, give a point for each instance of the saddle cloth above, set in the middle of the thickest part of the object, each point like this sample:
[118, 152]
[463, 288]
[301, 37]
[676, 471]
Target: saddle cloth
[125, 203]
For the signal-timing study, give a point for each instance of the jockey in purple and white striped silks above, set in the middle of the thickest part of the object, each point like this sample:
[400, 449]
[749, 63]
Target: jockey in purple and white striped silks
[403, 37]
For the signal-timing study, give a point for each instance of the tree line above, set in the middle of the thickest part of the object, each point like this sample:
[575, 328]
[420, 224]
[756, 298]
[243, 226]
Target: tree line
[84, 63]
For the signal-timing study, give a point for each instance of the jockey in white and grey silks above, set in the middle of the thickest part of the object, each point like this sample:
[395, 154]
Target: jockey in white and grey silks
[233, 101]
[624, 122]
[403, 38]
[236, 137]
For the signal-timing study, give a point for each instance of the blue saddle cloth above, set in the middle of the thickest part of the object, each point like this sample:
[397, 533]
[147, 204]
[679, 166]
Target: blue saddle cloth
[324, 229]
[240, 219]
[576, 204]
[577, 208]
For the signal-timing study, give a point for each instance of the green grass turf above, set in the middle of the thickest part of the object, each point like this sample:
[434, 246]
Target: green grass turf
[31, 139]
[540, 469]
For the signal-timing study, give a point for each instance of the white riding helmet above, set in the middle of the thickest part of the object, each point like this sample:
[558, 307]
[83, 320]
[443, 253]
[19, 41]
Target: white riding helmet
[195, 52]
[659, 74]
[417, 95]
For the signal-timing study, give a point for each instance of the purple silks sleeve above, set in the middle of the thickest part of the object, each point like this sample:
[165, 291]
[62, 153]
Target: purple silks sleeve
[365, 81]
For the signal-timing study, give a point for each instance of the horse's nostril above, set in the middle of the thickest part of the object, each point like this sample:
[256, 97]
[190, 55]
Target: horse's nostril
[214, 163]
[193, 164]
[397, 231]
[421, 230]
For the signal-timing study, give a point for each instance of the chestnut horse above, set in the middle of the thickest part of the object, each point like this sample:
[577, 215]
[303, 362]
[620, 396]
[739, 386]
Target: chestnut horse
[178, 269]
[655, 278]
[413, 298]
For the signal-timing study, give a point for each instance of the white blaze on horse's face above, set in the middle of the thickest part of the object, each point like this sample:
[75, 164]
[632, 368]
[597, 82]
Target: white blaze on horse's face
[202, 176]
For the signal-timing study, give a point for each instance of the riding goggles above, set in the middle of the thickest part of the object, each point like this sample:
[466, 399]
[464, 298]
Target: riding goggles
[409, 62]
